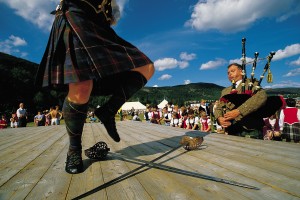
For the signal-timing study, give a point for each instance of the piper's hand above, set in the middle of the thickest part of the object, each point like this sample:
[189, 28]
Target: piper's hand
[223, 122]
[232, 114]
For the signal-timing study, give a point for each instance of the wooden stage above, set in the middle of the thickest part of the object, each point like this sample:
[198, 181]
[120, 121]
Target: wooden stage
[33, 160]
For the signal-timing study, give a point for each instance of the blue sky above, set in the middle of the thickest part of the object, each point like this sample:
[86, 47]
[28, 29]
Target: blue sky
[189, 41]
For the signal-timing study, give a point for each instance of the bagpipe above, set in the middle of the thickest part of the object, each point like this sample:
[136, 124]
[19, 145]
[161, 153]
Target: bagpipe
[273, 103]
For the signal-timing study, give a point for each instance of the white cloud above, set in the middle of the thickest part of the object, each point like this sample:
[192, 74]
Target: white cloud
[34, 11]
[294, 72]
[183, 64]
[186, 82]
[239, 61]
[155, 85]
[187, 57]
[10, 45]
[165, 63]
[38, 11]
[213, 64]
[17, 41]
[165, 77]
[284, 84]
[289, 51]
[238, 15]
[172, 63]
[296, 62]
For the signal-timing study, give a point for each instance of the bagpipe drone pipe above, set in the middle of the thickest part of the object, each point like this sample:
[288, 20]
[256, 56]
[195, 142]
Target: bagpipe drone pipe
[253, 120]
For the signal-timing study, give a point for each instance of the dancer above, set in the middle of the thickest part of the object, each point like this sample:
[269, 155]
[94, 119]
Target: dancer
[86, 54]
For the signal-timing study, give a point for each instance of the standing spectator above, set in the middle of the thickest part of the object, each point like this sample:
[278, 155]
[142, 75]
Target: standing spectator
[204, 108]
[58, 115]
[132, 111]
[54, 114]
[120, 112]
[289, 121]
[22, 116]
[14, 121]
[147, 113]
[47, 117]
[3, 122]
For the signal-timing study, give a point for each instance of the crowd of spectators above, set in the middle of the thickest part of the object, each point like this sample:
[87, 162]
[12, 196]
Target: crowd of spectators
[283, 125]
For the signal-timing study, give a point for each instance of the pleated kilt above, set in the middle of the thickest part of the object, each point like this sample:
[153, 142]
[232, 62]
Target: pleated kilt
[291, 131]
[82, 46]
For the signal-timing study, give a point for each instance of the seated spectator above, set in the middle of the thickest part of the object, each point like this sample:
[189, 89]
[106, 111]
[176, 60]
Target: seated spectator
[289, 121]
[192, 121]
[3, 122]
[39, 119]
[205, 122]
[92, 117]
[175, 120]
[183, 115]
[271, 130]
[166, 117]
[136, 117]
[14, 121]
[155, 115]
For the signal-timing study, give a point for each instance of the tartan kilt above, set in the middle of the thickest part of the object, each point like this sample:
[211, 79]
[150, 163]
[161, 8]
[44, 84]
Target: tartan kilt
[291, 132]
[82, 46]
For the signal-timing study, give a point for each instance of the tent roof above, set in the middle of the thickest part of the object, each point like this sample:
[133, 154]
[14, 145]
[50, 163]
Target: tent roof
[162, 104]
[136, 105]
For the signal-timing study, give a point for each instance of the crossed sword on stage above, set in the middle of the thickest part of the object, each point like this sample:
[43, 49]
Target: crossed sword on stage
[100, 151]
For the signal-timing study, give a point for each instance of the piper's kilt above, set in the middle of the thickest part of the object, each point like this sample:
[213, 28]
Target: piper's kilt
[291, 132]
[82, 46]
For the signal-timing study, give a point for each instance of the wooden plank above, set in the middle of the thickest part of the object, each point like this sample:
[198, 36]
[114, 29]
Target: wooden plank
[34, 159]
[92, 176]
[13, 138]
[220, 164]
[19, 158]
[128, 188]
[181, 181]
[55, 182]
[20, 185]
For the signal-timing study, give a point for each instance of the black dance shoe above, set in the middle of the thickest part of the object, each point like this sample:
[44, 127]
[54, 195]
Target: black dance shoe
[109, 123]
[74, 164]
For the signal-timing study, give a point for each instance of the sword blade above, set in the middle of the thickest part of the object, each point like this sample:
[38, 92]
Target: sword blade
[180, 171]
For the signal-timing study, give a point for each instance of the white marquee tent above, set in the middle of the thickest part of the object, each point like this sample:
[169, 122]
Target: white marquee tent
[162, 104]
[136, 105]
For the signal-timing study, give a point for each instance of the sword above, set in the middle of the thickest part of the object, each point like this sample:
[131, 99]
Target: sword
[180, 171]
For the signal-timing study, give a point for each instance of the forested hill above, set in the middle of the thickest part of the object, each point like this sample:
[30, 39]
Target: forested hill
[180, 93]
[17, 85]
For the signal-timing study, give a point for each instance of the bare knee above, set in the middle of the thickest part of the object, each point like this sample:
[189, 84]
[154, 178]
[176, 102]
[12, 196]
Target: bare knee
[80, 92]
[147, 71]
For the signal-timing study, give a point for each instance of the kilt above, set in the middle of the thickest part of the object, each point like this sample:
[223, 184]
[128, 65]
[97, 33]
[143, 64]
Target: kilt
[83, 46]
[291, 131]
